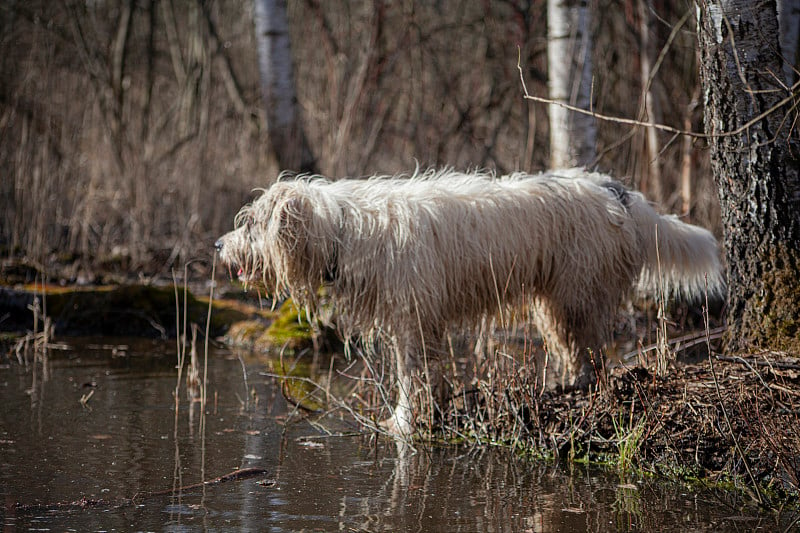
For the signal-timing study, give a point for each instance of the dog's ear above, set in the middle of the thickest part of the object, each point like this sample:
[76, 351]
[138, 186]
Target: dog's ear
[296, 247]
[291, 220]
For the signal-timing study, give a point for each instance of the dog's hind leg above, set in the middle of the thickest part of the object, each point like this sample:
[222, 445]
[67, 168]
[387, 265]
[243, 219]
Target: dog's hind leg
[570, 350]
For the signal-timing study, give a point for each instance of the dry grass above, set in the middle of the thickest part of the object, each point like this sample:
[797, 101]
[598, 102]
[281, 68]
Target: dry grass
[129, 143]
[729, 420]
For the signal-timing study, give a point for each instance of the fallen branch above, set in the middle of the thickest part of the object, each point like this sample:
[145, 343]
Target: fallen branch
[774, 364]
[86, 503]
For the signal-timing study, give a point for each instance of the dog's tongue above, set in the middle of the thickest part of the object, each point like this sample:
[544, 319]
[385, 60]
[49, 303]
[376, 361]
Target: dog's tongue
[238, 274]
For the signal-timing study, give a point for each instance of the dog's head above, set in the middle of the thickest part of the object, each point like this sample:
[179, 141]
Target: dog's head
[285, 241]
[241, 252]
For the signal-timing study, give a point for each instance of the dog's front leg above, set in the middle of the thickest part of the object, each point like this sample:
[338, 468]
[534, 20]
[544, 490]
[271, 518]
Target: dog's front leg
[402, 423]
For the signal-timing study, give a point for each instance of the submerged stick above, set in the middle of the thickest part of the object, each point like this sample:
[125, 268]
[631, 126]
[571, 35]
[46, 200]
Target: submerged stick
[86, 503]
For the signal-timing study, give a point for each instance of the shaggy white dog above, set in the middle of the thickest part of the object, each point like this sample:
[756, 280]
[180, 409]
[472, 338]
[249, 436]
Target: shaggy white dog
[407, 259]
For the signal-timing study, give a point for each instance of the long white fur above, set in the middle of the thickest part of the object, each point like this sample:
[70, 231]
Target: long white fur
[407, 259]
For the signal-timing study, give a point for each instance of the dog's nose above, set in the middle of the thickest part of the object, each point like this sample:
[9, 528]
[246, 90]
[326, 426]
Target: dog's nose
[219, 245]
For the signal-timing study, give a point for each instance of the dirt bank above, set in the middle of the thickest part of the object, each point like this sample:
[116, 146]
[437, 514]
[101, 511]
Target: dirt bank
[726, 419]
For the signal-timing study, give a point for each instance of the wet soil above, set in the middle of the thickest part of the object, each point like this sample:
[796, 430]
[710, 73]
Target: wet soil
[733, 420]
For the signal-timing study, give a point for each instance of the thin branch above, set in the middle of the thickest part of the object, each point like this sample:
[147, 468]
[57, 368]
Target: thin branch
[736, 445]
[662, 127]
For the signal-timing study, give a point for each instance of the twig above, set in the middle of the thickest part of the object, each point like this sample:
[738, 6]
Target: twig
[690, 340]
[663, 127]
[725, 411]
[308, 438]
[776, 364]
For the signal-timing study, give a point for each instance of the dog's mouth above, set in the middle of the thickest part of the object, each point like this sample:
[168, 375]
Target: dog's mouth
[239, 270]
[244, 276]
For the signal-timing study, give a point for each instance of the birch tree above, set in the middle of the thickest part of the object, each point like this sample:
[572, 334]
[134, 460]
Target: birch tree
[651, 181]
[569, 81]
[278, 89]
[754, 156]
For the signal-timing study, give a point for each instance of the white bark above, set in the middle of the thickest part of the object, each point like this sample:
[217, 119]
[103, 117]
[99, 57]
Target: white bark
[277, 86]
[569, 60]
[652, 179]
[789, 28]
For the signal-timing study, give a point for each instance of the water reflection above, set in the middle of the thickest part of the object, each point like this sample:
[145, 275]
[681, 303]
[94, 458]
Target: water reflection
[130, 439]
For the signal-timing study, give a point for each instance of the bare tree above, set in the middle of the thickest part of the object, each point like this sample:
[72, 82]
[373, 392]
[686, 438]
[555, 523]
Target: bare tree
[130, 130]
[789, 25]
[569, 71]
[278, 88]
[651, 181]
[754, 155]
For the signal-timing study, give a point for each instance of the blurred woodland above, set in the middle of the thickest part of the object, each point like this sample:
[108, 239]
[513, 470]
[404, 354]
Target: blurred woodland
[132, 131]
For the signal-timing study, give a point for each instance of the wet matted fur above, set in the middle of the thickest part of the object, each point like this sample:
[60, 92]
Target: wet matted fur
[407, 259]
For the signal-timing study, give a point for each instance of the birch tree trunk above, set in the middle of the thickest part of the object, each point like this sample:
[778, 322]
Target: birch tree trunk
[651, 180]
[754, 156]
[569, 72]
[278, 89]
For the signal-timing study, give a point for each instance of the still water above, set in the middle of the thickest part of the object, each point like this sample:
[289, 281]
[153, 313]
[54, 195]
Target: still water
[127, 439]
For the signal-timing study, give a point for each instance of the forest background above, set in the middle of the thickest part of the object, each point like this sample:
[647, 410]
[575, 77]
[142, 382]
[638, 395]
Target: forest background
[131, 132]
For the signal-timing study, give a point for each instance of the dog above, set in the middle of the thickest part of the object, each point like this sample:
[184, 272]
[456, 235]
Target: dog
[407, 259]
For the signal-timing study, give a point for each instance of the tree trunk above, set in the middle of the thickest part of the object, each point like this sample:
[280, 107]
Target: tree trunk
[569, 71]
[277, 86]
[651, 180]
[789, 24]
[754, 156]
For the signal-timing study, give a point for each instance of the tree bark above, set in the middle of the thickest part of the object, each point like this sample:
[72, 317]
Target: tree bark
[789, 24]
[569, 72]
[754, 156]
[651, 180]
[278, 89]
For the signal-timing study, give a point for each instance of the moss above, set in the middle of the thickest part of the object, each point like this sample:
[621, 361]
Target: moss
[287, 329]
[141, 310]
[769, 318]
[290, 328]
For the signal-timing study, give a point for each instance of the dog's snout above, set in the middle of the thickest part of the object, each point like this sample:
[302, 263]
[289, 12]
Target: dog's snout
[219, 245]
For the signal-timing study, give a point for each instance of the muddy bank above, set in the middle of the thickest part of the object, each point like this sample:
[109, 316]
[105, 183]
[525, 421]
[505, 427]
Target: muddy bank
[238, 318]
[733, 420]
[118, 310]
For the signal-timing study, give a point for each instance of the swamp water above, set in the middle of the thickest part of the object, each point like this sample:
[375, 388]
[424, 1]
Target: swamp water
[126, 440]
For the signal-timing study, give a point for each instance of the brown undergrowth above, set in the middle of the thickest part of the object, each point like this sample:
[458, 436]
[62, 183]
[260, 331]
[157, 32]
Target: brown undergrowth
[729, 419]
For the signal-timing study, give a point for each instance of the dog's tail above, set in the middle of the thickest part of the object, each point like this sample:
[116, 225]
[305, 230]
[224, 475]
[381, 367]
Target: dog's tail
[680, 259]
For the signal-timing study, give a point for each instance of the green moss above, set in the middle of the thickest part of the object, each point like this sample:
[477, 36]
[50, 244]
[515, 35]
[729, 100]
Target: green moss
[141, 310]
[290, 328]
[769, 318]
